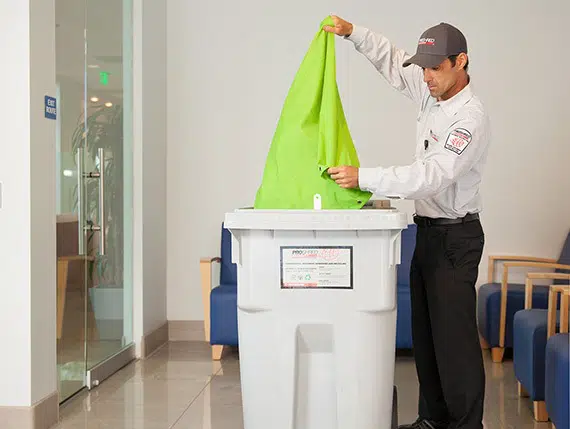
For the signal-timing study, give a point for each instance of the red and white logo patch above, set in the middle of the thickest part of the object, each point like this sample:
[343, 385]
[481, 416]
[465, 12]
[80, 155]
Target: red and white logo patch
[427, 41]
[458, 140]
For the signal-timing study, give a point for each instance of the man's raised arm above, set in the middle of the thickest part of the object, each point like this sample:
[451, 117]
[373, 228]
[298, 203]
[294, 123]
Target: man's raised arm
[384, 56]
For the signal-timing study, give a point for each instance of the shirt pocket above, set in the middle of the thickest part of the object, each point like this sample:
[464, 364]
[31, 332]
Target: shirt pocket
[431, 141]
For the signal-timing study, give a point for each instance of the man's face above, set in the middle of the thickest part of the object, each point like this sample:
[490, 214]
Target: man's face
[443, 78]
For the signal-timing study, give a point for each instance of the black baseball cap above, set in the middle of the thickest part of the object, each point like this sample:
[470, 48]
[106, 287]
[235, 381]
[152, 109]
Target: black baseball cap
[436, 44]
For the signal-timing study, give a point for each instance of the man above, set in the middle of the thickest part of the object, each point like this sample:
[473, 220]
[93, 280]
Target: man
[452, 142]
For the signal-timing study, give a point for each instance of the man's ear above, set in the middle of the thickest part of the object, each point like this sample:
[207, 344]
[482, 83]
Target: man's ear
[461, 61]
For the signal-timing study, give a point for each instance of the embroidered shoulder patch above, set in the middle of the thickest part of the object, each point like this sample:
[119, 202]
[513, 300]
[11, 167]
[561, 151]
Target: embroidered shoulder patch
[458, 140]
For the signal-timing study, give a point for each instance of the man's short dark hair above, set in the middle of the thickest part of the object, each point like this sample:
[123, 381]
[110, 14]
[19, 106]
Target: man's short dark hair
[453, 60]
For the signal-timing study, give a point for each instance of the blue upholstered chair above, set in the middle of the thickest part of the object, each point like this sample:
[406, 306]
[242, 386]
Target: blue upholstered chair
[220, 302]
[557, 383]
[499, 301]
[557, 367]
[404, 320]
[531, 328]
[529, 347]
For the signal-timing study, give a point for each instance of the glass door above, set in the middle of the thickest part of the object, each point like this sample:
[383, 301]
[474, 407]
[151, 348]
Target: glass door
[107, 150]
[71, 287]
[93, 68]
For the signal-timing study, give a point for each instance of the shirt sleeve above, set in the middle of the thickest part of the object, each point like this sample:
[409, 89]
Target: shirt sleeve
[389, 60]
[461, 149]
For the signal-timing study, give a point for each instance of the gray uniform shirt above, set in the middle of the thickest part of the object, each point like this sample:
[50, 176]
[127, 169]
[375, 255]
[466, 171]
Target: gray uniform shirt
[452, 139]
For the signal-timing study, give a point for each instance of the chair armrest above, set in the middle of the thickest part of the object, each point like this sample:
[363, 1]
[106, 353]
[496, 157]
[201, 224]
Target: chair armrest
[540, 276]
[530, 264]
[564, 292]
[206, 283]
[548, 276]
[493, 259]
[520, 258]
[504, 284]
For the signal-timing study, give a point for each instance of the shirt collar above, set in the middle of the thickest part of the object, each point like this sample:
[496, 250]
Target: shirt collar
[452, 105]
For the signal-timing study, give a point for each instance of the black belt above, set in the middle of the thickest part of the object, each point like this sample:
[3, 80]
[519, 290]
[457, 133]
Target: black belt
[428, 221]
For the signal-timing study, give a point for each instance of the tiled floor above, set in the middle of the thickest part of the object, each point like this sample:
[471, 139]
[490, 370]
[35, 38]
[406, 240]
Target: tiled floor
[179, 387]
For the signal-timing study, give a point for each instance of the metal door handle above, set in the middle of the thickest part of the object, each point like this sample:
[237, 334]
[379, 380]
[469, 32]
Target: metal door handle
[80, 220]
[88, 225]
[102, 200]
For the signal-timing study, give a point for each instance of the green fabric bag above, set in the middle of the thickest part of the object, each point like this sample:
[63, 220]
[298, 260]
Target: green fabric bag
[311, 136]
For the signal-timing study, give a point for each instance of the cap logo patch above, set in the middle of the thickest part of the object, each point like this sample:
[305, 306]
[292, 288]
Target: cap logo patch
[427, 41]
[458, 140]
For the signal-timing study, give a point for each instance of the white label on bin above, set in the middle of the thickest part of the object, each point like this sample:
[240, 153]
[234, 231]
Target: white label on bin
[324, 267]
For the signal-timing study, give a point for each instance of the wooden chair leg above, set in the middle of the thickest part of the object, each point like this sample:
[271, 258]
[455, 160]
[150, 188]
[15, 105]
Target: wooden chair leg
[522, 392]
[503, 311]
[206, 280]
[217, 352]
[497, 354]
[540, 413]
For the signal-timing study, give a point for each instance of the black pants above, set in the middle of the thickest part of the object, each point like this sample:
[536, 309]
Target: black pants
[447, 351]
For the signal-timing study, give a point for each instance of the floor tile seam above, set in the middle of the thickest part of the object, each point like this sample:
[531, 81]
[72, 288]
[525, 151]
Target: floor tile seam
[193, 400]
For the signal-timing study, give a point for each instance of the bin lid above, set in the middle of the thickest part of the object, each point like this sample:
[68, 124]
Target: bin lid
[333, 220]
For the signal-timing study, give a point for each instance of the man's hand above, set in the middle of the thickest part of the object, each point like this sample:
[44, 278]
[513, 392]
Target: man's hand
[341, 27]
[345, 177]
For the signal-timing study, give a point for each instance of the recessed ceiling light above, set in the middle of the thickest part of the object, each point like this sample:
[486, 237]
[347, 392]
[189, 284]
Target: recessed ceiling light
[93, 66]
[94, 99]
[109, 104]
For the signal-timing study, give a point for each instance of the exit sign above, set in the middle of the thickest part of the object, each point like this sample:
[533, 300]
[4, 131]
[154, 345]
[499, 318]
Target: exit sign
[50, 107]
[104, 78]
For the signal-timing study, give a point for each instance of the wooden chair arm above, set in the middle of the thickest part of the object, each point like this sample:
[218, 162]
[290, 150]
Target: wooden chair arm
[540, 276]
[495, 258]
[564, 292]
[206, 282]
[548, 276]
[537, 265]
[504, 285]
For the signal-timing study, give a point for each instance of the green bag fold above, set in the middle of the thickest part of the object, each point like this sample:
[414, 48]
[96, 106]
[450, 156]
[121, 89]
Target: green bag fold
[311, 136]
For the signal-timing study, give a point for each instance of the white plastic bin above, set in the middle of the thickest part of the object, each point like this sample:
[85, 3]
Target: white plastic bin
[316, 316]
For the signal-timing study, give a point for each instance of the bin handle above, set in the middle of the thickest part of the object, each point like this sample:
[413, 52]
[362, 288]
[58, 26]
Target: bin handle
[395, 252]
[236, 249]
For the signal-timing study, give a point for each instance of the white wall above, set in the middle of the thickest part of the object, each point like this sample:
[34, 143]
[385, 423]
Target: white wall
[149, 166]
[27, 214]
[42, 206]
[230, 65]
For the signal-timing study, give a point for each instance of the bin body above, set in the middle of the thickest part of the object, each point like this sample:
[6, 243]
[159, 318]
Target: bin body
[316, 316]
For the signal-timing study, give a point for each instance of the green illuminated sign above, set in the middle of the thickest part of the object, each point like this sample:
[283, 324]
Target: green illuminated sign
[104, 78]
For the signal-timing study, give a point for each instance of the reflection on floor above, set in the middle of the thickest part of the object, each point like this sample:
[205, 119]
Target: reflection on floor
[179, 387]
[71, 364]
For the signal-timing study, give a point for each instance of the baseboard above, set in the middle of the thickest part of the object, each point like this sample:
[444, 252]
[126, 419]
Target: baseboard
[186, 330]
[42, 415]
[153, 341]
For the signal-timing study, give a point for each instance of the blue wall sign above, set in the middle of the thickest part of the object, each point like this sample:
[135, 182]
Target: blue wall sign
[50, 107]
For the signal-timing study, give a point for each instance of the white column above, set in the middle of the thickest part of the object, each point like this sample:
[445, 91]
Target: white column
[149, 165]
[27, 215]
